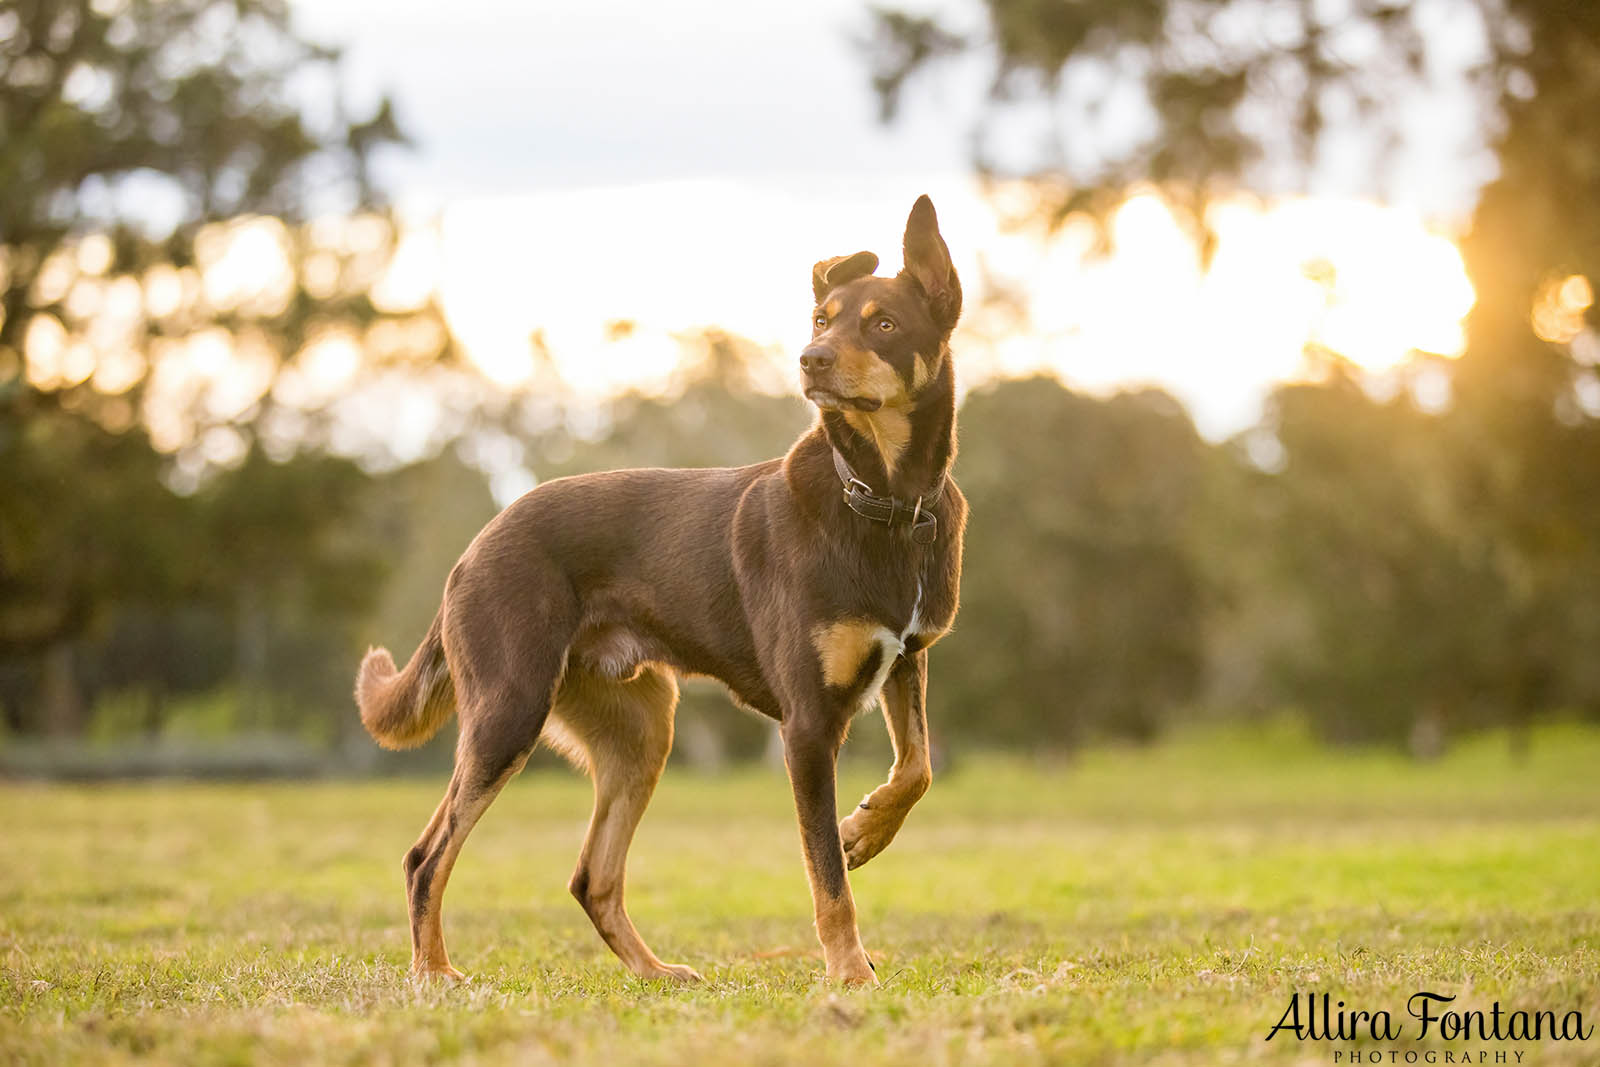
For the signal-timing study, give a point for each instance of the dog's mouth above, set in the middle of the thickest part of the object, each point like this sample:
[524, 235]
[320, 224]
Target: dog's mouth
[832, 401]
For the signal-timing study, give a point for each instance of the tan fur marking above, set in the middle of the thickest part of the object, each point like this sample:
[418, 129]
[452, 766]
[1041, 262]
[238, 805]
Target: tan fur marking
[869, 309]
[429, 956]
[835, 919]
[843, 646]
[868, 829]
[832, 308]
[889, 430]
[841, 938]
[922, 371]
[864, 374]
[620, 732]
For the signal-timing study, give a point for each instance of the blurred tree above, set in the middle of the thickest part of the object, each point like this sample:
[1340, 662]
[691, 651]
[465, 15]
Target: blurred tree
[423, 516]
[1371, 544]
[1090, 98]
[1252, 611]
[296, 567]
[1495, 501]
[259, 578]
[715, 418]
[159, 277]
[1528, 389]
[84, 520]
[1086, 99]
[1081, 608]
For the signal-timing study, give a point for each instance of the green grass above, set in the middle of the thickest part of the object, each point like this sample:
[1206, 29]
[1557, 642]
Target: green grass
[1128, 907]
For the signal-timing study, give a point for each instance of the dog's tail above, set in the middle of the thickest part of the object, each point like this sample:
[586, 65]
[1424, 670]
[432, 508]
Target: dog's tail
[402, 709]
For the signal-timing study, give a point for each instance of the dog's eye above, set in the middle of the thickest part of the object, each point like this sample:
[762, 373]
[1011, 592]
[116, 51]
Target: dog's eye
[886, 324]
[819, 320]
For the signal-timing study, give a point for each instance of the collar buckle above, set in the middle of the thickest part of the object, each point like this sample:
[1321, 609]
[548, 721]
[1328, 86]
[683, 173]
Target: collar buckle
[889, 510]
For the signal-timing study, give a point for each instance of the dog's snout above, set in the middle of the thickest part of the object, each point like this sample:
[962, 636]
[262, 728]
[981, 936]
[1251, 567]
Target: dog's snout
[815, 359]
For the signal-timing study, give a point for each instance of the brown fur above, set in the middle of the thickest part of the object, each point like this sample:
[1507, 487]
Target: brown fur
[571, 614]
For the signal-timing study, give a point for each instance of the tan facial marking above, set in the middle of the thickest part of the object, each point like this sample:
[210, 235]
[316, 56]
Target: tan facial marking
[866, 369]
[921, 371]
[869, 309]
[843, 646]
[863, 373]
[832, 308]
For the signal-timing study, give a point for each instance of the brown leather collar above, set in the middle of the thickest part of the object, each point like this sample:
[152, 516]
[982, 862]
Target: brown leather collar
[890, 510]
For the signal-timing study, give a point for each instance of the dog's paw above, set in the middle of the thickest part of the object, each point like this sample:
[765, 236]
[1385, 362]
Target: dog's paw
[866, 832]
[857, 972]
[675, 972]
[447, 972]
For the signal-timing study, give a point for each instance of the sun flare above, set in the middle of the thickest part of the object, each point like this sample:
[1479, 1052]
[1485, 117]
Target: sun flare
[536, 286]
[595, 291]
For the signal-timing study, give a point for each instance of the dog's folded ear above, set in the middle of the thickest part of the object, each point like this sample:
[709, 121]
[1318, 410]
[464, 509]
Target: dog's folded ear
[832, 273]
[928, 263]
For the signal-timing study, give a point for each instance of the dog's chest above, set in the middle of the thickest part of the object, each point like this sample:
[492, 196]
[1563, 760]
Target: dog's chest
[918, 631]
[857, 646]
[932, 607]
[908, 605]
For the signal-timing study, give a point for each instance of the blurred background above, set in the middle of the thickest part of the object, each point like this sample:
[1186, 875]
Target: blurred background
[1280, 381]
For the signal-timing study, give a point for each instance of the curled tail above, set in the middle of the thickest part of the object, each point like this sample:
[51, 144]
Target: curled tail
[402, 709]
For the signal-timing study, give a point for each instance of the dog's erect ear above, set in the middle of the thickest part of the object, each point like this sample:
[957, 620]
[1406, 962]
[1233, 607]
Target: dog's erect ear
[928, 263]
[832, 273]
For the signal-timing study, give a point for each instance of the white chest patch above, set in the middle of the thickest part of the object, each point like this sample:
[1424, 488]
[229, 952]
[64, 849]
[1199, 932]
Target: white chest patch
[892, 646]
[915, 625]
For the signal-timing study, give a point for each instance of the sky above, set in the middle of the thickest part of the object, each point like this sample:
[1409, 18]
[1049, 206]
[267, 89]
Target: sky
[507, 97]
[699, 156]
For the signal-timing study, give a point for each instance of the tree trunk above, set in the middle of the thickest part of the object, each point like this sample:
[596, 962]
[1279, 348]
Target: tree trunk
[60, 698]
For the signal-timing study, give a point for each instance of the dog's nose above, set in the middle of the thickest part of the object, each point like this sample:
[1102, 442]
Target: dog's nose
[816, 358]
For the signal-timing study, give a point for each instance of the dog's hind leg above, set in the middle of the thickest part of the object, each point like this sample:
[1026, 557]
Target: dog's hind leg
[622, 732]
[503, 697]
[473, 787]
[428, 866]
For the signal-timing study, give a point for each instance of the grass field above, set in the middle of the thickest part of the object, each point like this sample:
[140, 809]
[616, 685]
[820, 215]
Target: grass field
[1129, 907]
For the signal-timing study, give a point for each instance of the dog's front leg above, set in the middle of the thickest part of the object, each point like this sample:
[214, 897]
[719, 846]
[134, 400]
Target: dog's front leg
[868, 830]
[810, 750]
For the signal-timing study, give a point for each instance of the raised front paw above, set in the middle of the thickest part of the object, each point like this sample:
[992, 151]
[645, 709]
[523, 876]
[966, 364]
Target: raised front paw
[867, 831]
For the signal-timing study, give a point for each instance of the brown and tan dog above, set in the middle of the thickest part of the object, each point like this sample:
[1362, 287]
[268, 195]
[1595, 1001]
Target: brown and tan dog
[807, 585]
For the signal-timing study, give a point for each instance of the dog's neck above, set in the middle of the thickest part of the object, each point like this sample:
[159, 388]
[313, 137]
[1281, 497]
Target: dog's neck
[901, 451]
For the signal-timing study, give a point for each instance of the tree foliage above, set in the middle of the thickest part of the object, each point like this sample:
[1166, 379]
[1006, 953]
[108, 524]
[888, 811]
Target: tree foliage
[1201, 97]
[191, 236]
[187, 212]
[1423, 568]
[1082, 607]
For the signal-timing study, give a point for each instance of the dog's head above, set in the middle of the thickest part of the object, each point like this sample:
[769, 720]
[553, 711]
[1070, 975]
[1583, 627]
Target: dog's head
[878, 342]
